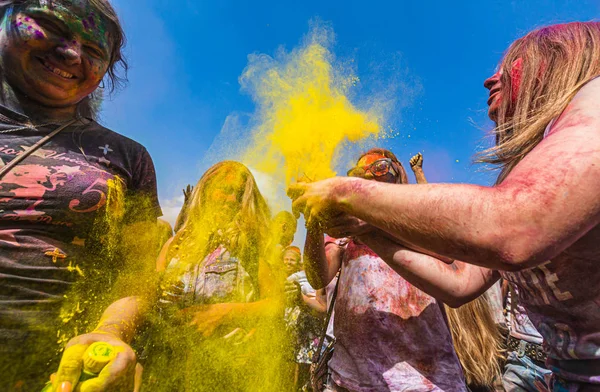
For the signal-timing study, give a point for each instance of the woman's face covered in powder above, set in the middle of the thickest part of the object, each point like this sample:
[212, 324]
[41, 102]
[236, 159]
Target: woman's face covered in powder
[54, 52]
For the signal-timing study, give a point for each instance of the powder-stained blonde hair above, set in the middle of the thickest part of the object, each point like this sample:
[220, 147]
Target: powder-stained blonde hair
[477, 341]
[244, 234]
[556, 62]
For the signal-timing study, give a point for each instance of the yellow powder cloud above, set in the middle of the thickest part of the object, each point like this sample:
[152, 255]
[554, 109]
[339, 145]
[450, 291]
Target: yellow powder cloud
[303, 111]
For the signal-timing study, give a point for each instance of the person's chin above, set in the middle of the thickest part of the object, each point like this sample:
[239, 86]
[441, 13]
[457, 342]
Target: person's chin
[51, 94]
[53, 98]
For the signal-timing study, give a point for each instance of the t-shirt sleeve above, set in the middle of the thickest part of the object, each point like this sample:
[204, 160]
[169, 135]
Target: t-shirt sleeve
[142, 193]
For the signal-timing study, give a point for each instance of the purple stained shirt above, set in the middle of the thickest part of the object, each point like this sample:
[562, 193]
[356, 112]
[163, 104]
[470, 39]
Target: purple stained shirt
[562, 295]
[390, 335]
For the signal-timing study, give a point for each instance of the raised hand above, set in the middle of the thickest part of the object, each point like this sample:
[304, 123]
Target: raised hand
[416, 161]
[187, 192]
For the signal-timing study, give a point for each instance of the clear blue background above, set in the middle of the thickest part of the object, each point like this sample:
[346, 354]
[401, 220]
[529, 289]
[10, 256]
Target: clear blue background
[186, 57]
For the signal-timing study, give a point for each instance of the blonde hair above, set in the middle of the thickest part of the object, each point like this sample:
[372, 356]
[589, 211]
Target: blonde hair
[556, 62]
[477, 341]
[244, 234]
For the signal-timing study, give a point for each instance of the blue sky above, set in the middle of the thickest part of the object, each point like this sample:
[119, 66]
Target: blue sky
[186, 60]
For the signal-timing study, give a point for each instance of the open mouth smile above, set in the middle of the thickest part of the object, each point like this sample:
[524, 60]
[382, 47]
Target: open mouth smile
[492, 95]
[56, 71]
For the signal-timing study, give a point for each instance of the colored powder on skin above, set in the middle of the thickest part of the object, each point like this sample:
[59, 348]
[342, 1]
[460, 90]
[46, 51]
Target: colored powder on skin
[80, 19]
[304, 113]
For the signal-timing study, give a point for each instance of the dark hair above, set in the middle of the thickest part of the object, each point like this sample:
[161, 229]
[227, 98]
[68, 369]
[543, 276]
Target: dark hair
[402, 177]
[117, 68]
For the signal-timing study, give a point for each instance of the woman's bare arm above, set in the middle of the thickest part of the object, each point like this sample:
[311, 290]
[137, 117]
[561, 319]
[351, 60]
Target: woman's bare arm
[454, 284]
[321, 262]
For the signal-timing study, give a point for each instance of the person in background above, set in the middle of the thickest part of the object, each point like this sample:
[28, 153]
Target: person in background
[303, 315]
[389, 334]
[181, 217]
[165, 232]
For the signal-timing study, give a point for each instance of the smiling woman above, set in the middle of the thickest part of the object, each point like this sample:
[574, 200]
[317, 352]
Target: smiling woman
[54, 206]
[58, 52]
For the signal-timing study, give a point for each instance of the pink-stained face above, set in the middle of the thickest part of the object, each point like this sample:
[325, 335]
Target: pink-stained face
[494, 84]
[55, 54]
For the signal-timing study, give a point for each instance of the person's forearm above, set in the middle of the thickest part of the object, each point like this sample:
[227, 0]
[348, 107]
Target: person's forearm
[419, 175]
[315, 259]
[243, 313]
[123, 318]
[477, 226]
[259, 310]
[453, 284]
[313, 304]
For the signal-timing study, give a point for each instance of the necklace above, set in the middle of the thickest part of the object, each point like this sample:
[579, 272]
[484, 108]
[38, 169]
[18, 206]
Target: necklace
[22, 126]
[32, 127]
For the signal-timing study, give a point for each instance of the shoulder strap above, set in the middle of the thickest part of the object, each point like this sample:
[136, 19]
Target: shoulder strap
[328, 318]
[19, 158]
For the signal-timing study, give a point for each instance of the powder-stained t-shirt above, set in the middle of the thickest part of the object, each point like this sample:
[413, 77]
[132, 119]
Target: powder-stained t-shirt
[48, 205]
[520, 326]
[390, 335]
[562, 295]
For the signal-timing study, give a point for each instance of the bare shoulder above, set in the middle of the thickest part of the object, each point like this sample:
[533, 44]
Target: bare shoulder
[583, 112]
[589, 95]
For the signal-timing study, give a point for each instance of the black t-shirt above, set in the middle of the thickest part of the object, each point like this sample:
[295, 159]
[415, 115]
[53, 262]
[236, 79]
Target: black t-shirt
[49, 204]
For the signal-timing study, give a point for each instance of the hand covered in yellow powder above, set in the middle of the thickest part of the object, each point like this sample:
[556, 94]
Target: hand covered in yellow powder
[344, 225]
[207, 318]
[118, 375]
[319, 200]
